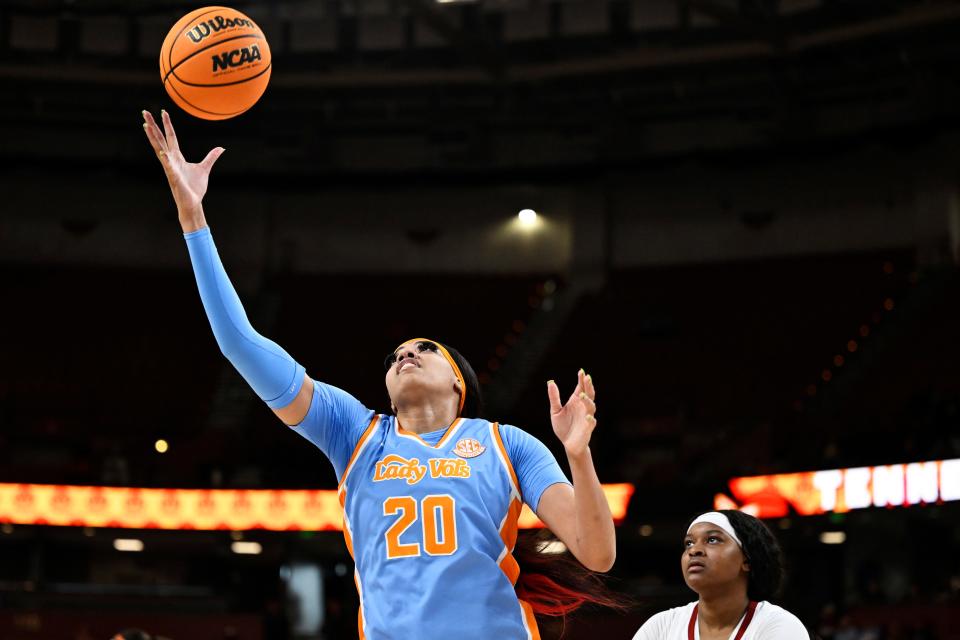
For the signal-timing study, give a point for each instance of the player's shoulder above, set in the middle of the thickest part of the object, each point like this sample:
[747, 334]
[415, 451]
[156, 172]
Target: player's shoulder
[660, 625]
[482, 423]
[517, 441]
[513, 432]
[683, 612]
[773, 617]
[380, 422]
[768, 610]
[381, 427]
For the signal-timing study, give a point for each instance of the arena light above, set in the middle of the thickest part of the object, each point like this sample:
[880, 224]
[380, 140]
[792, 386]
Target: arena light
[204, 509]
[128, 544]
[833, 537]
[528, 222]
[246, 547]
[840, 490]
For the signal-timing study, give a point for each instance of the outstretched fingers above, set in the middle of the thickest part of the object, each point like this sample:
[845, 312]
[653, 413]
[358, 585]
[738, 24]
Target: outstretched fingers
[583, 394]
[169, 133]
[579, 389]
[154, 135]
[587, 397]
[554, 394]
[588, 404]
[588, 387]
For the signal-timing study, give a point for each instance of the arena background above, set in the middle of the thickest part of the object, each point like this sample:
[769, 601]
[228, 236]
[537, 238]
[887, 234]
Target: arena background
[747, 233]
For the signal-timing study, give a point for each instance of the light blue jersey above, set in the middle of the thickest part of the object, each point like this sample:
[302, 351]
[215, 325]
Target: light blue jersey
[431, 520]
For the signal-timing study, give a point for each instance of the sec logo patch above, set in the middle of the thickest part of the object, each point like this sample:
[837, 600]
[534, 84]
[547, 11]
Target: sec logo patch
[469, 448]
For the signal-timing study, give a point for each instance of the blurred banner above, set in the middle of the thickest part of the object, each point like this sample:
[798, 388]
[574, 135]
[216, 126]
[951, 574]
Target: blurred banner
[135, 508]
[839, 490]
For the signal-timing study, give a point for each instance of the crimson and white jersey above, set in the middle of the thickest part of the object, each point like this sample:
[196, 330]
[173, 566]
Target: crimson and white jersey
[765, 621]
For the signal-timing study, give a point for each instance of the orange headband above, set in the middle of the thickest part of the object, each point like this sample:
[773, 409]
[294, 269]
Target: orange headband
[456, 369]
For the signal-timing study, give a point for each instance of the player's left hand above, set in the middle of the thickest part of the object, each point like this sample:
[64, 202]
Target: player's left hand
[574, 421]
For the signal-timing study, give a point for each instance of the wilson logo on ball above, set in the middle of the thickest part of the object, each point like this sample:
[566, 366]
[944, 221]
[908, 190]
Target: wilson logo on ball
[215, 24]
[236, 58]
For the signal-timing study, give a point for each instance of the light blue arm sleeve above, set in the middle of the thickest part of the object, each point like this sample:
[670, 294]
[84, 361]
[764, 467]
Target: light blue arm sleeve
[535, 466]
[334, 423]
[268, 369]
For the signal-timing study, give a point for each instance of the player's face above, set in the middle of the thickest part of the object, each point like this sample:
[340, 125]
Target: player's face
[416, 371]
[711, 558]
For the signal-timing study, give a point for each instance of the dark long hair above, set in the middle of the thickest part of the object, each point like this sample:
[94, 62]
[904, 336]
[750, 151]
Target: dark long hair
[762, 551]
[554, 584]
[473, 403]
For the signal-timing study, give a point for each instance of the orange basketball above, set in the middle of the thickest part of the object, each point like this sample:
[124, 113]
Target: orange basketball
[215, 63]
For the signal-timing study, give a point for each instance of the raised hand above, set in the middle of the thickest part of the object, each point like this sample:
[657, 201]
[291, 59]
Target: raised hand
[574, 421]
[188, 180]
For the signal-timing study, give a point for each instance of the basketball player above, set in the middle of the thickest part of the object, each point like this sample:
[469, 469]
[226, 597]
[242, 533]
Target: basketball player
[431, 493]
[733, 562]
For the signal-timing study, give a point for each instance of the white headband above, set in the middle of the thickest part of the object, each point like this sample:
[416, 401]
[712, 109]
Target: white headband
[719, 520]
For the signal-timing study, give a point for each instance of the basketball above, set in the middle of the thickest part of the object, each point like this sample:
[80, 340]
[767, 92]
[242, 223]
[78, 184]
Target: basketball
[215, 63]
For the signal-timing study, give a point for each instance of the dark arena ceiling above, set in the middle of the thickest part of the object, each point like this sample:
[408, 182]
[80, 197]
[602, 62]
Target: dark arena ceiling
[405, 87]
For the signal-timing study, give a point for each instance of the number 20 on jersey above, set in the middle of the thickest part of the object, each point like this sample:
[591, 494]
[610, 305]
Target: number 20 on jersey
[437, 518]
